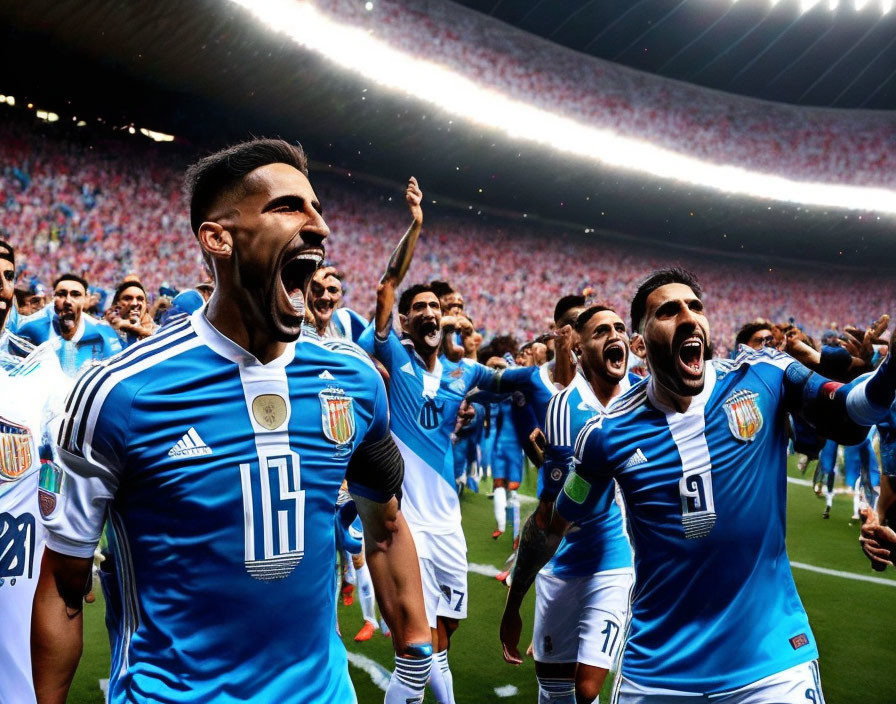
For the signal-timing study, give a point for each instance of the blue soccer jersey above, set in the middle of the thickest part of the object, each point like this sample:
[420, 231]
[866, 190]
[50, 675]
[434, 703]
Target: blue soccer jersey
[423, 408]
[715, 606]
[600, 542]
[507, 453]
[93, 341]
[219, 475]
[346, 324]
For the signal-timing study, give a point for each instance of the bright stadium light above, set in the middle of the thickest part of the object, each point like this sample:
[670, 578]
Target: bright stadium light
[886, 6]
[806, 5]
[360, 51]
[157, 136]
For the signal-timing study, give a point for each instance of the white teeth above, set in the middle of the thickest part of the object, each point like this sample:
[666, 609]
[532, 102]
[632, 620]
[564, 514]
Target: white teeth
[297, 300]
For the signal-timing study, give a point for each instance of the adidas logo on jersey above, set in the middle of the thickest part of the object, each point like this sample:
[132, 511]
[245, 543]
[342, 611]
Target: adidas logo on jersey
[408, 369]
[326, 375]
[635, 459]
[190, 445]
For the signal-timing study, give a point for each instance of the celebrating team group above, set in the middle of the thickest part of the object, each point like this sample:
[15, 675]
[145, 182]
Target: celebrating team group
[208, 454]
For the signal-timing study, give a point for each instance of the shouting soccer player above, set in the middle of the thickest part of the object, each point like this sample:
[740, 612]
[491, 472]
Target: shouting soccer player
[217, 448]
[582, 594]
[699, 453]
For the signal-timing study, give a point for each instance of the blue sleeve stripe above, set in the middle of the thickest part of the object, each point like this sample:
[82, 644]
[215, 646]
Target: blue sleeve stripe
[88, 391]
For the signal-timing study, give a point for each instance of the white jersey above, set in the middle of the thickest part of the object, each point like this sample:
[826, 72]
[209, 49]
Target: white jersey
[32, 392]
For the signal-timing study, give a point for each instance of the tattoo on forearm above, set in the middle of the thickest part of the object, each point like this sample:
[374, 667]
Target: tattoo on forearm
[537, 546]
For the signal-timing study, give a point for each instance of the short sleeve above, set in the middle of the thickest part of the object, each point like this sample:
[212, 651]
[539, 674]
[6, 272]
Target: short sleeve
[90, 451]
[386, 351]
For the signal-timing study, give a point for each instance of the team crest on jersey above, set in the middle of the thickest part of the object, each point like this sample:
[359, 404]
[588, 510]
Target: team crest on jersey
[15, 450]
[337, 415]
[744, 416]
[49, 487]
[269, 410]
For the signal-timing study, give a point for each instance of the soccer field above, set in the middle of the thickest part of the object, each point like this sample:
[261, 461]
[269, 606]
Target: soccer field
[850, 608]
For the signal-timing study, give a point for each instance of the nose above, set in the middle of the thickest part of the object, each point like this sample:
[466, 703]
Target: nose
[316, 229]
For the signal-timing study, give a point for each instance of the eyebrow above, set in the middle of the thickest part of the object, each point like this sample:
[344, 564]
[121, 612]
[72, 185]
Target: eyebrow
[297, 201]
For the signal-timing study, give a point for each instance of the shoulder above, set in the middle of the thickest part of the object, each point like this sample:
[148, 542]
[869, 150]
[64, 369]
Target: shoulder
[763, 359]
[117, 380]
[341, 351]
[32, 325]
[557, 417]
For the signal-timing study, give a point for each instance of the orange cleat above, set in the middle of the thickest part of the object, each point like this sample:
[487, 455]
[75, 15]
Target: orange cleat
[497, 534]
[348, 597]
[366, 632]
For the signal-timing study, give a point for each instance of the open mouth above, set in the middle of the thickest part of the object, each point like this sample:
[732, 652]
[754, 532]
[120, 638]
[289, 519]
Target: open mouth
[615, 355]
[432, 333]
[295, 272]
[690, 356]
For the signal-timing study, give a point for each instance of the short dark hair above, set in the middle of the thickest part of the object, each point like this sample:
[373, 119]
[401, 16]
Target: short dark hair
[70, 277]
[7, 252]
[748, 330]
[222, 172]
[587, 314]
[661, 277]
[441, 288]
[409, 294]
[126, 285]
[567, 303]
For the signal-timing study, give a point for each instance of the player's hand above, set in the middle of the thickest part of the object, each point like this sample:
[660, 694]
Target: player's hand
[323, 273]
[448, 321]
[414, 196]
[878, 542]
[511, 628]
[563, 338]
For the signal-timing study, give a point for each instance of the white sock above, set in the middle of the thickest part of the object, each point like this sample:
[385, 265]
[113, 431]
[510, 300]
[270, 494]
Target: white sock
[828, 497]
[556, 691]
[501, 508]
[440, 681]
[857, 497]
[408, 680]
[350, 577]
[365, 594]
[514, 503]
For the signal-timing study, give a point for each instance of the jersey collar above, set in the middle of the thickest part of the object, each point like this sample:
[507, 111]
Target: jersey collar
[228, 349]
[587, 393]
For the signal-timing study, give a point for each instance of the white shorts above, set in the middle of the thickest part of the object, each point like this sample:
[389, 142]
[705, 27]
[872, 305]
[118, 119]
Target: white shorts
[581, 619]
[443, 568]
[796, 685]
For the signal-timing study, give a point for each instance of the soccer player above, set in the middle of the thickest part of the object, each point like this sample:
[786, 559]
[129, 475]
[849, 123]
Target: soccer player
[217, 447]
[32, 391]
[128, 313]
[699, 453]
[78, 338]
[582, 594]
[331, 320]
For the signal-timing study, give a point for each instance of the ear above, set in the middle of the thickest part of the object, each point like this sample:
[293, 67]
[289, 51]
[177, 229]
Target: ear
[215, 240]
[577, 348]
[403, 321]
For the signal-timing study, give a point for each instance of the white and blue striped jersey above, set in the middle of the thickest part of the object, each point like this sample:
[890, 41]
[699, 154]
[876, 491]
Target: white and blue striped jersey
[219, 476]
[600, 542]
[94, 340]
[715, 605]
[32, 391]
[424, 408]
[346, 324]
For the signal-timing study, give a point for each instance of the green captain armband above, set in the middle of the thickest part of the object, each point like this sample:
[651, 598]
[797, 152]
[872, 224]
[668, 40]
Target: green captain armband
[576, 488]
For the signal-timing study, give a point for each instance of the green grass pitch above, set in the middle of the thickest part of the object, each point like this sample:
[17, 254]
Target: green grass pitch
[852, 620]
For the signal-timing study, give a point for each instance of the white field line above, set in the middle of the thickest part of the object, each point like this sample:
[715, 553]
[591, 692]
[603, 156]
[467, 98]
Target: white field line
[379, 674]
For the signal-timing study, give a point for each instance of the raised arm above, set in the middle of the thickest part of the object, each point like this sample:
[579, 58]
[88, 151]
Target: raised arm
[399, 261]
[56, 624]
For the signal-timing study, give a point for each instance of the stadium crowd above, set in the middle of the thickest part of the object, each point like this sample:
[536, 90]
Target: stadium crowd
[78, 205]
[805, 144]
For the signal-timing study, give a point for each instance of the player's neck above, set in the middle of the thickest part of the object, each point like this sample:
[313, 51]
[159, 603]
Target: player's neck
[670, 398]
[235, 325]
[427, 354]
[605, 389]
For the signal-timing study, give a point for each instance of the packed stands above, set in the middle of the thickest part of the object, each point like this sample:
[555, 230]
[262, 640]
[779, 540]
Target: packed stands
[806, 144]
[105, 206]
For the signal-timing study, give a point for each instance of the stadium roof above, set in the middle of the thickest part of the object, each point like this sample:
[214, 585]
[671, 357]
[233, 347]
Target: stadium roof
[824, 53]
[208, 72]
